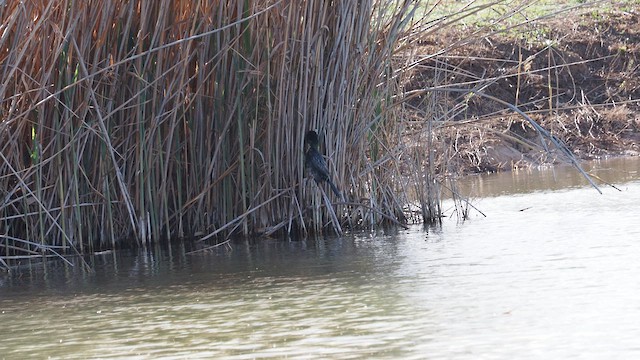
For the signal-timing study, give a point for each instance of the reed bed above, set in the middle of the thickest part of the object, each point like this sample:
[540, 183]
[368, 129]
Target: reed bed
[128, 122]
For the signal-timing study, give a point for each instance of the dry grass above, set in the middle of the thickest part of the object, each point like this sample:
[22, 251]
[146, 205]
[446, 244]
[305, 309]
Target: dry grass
[575, 73]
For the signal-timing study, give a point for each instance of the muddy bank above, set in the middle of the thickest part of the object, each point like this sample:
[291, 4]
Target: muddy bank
[576, 75]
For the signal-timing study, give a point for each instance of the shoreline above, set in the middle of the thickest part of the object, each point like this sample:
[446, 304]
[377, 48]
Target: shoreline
[577, 77]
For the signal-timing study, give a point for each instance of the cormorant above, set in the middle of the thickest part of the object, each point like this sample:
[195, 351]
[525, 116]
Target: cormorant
[315, 163]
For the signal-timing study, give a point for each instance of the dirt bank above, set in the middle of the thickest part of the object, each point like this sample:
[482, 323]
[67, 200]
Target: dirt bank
[576, 75]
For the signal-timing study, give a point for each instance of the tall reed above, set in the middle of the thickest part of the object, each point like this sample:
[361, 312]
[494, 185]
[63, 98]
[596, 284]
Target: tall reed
[140, 120]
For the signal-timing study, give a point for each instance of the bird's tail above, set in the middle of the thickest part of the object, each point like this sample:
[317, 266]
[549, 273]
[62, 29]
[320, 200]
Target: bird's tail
[334, 188]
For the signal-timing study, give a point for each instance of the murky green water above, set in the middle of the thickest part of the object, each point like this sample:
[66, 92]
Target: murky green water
[558, 280]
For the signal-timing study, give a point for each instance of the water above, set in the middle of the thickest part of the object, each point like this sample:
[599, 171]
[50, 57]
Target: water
[558, 280]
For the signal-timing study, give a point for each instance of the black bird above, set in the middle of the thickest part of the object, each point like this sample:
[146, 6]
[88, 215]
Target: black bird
[315, 163]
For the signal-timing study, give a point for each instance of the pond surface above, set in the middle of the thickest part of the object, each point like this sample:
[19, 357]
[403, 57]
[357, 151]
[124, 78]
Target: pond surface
[552, 272]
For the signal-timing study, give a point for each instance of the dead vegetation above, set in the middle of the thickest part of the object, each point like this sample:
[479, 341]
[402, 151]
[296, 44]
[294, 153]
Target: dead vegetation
[128, 122]
[576, 74]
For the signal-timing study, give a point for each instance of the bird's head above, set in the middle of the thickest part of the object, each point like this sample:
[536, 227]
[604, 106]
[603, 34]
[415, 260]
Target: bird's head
[311, 138]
